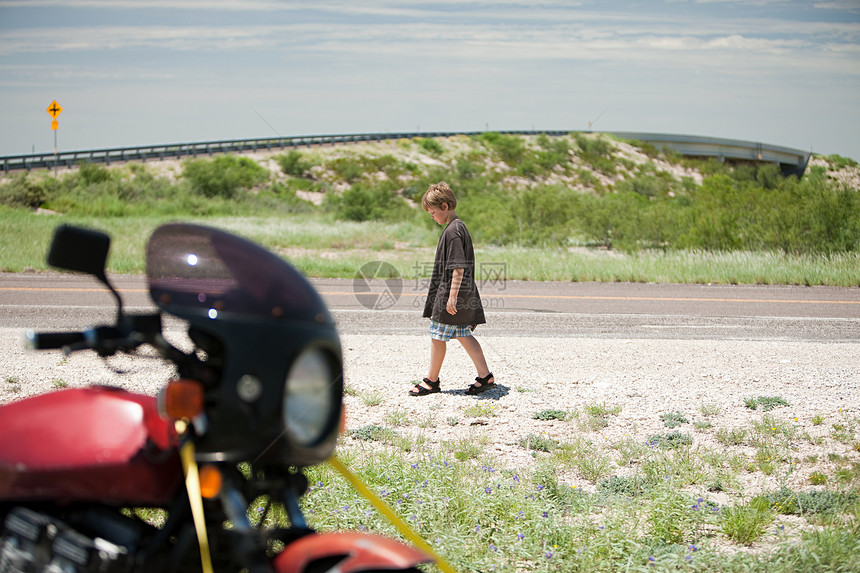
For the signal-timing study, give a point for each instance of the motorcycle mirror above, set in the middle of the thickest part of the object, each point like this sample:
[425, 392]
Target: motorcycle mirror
[82, 250]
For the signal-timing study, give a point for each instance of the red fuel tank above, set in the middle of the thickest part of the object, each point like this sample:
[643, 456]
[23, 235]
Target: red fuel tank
[94, 444]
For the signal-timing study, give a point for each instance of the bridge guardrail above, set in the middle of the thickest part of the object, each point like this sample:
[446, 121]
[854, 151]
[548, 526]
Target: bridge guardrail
[791, 160]
[180, 150]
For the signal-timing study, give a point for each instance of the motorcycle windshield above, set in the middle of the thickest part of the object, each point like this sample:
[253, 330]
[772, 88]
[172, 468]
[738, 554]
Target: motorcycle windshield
[195, 271]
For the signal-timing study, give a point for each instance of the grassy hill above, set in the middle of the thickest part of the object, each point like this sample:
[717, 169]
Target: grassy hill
[580, 207]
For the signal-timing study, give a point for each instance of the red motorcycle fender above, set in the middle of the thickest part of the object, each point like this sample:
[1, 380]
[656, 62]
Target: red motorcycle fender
[360, 551]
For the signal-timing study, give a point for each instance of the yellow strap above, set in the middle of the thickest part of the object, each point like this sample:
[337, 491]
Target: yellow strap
[192, 483]
[385, 510]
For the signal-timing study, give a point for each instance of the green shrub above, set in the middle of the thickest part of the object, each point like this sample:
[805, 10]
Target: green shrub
[223, 177]
[614, 220]
[593, 146]
[431, 145]
[293, 163]
[285, 195]
[93, 173]
[368, 203]
[23, 191]
[509, 148]
[838, 162]
[544, 215]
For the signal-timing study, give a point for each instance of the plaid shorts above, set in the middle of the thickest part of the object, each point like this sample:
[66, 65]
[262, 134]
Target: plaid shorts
[445, 332]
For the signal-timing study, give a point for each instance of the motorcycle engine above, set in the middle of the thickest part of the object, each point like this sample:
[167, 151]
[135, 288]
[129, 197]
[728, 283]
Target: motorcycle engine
[33, 542]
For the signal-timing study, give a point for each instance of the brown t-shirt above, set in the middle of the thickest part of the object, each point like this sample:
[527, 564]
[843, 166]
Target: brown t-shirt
[454, 251]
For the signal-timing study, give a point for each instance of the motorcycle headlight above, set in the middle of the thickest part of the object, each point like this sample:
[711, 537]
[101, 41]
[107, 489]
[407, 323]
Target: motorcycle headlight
[311, 404]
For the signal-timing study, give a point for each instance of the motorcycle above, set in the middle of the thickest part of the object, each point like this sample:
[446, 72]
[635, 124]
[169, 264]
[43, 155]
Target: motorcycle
[257, 397]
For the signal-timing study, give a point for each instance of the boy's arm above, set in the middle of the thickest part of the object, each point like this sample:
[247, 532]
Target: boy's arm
[456, 281]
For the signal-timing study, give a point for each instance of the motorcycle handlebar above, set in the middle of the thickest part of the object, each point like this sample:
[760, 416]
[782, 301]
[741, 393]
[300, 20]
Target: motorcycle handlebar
[129, 333]
[53, 340]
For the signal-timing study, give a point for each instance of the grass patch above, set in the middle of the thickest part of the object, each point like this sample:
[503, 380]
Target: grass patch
[303, 238]
[539, 443]
[480, 410]
[813, 502]
[551, 415]
[484, 516]
[670, 441]
[766, 403]
[595, 417]
[731, 436]
[673, 419]
[746, 523]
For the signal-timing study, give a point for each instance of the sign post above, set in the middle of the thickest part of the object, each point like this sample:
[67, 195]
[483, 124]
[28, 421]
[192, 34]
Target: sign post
[54, 110]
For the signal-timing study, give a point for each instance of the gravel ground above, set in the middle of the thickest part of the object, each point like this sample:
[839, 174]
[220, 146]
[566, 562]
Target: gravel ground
[643, 377]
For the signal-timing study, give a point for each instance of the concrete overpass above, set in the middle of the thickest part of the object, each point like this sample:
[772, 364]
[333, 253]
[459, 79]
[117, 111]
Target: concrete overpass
[791, 161]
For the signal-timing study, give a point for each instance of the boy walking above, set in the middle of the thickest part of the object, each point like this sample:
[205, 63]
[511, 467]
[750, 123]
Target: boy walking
[453, 303]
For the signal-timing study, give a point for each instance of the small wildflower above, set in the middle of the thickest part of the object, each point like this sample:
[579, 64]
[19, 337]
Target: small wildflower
[488, 490]
[493, 547]
[545, 514]
[693, 548]
[521, 536]
[548, 555]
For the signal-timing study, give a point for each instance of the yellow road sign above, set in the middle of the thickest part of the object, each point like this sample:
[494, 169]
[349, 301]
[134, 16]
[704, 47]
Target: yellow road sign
[55, 125]
[55, 109]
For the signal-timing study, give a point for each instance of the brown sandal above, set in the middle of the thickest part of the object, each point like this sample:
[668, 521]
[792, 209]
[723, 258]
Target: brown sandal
[422, 391]
[484, 382]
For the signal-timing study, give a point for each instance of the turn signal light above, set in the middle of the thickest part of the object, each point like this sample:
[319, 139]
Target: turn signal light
[181, 399]
[210, 481]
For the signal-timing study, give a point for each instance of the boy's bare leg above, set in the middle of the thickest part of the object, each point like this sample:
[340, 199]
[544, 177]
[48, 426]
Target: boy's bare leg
[476, 353]
[437, 356]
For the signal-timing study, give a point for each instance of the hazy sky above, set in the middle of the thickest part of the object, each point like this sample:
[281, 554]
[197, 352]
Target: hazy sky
[146, 72]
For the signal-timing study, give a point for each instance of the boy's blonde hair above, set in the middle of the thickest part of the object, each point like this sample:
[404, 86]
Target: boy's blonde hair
[437, 195]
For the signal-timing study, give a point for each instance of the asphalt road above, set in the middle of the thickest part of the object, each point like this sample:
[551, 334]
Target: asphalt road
[53, 301]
